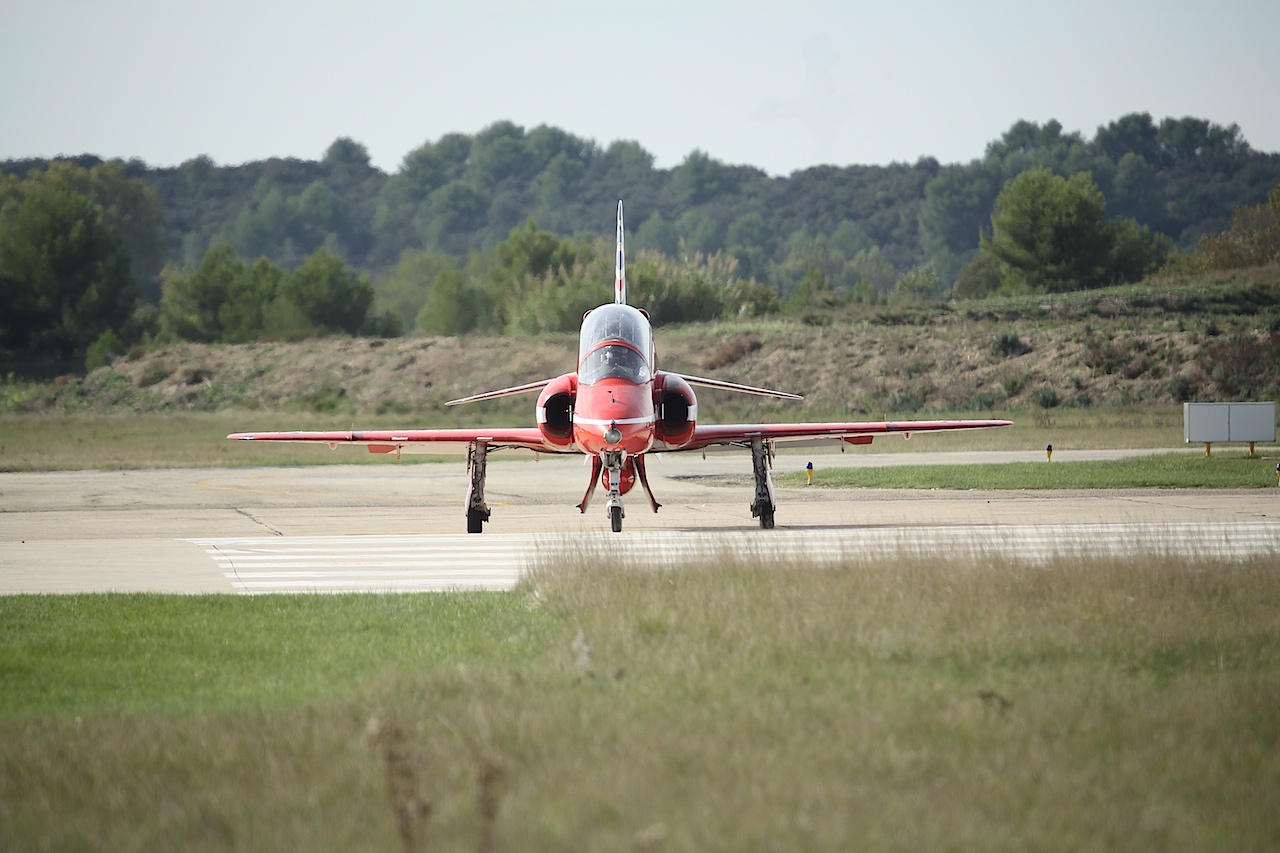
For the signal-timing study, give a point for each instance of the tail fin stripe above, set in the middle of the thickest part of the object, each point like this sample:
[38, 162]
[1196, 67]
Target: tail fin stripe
[620, 281]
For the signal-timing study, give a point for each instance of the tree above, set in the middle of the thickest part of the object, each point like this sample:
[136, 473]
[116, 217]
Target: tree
[698, 233]
[748, 239]
[812, 291]
[451, 306]
[405, 288]
[499, 152]
[263, 229]
[1252, 240]
[223, 299]
[331, 296]
[1049, 233]
[346, 151]
[1136, 250]
[450, 214]
[957, 203]
[64, 274]
[320, 217]
[1131, 134]
[700, 178]
[658, 235]
[849, 239]
[871, 266]
[628, 154]
[243, 315]
[126, 205]
[1136, 191]
[979, 278]
[191, 302]
[915, 285]
[533, 251]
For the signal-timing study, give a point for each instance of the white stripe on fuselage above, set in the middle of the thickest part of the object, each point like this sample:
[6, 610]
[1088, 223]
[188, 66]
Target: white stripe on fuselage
[608, 421]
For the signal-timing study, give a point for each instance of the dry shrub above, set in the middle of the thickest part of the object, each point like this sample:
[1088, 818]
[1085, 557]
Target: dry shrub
[731, 351]
[489, 775]
[386, 736]
[1243, 366]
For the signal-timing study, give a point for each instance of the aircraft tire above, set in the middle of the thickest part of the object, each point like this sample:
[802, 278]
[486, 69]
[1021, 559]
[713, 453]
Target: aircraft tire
[475, 521]
[615, 518]
[766, 517]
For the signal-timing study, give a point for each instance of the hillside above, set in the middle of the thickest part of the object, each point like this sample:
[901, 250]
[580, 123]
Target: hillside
[1160, 343]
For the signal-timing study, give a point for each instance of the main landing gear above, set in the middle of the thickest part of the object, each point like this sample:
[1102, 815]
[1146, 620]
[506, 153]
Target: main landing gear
[763, 505]
[477, 510]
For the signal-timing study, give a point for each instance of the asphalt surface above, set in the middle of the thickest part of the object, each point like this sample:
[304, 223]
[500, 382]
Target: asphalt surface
[400, 526]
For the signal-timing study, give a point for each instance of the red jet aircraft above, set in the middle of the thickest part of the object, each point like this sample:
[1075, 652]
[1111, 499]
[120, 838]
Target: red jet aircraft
[617, 408]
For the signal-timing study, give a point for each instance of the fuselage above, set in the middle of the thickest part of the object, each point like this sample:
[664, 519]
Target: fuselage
[614, 408]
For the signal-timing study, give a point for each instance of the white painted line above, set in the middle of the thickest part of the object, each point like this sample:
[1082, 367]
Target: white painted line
[496, 561]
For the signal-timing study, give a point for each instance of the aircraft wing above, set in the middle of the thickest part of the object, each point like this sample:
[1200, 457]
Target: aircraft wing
[413, 440]
[503, 392]
[821, 433]
[734, 386]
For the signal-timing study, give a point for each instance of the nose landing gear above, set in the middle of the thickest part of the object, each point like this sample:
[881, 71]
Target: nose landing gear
[613, 461]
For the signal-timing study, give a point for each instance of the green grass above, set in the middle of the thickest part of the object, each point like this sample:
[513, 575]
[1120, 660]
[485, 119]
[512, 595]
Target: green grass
[1162, 471]
[67, 655]
[908, 704]
[110, 442]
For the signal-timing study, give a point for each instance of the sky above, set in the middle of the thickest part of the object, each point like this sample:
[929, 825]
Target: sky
[777, 85]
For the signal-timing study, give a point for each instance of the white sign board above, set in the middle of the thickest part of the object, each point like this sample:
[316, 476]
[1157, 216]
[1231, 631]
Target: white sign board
[1216, 422]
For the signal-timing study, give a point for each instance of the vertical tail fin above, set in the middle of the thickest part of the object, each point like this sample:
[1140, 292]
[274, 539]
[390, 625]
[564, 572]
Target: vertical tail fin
[620, 277]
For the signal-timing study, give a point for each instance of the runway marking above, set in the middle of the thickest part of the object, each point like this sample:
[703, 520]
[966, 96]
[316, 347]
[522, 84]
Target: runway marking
[496, 561]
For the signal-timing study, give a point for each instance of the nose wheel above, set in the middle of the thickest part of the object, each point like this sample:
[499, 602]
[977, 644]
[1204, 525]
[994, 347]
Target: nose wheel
[615, 518]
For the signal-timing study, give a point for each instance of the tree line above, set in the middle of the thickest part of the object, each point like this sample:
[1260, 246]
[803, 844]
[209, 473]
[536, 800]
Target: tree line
[502, 231]
[463, 193]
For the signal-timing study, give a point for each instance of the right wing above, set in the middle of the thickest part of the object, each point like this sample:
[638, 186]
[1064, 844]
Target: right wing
[414, 440]
[734, 386]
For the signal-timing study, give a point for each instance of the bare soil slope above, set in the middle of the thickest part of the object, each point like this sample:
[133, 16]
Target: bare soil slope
[1145, 344]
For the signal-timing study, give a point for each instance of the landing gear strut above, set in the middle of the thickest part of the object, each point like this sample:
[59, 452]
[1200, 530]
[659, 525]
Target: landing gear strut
[763, 505]
[477, 510]
[613, 461]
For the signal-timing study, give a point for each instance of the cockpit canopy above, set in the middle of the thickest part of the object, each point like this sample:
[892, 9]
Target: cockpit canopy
[616, 341]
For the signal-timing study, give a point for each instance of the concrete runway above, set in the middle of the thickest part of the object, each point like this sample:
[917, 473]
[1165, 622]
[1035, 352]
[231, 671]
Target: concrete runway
[399, 526]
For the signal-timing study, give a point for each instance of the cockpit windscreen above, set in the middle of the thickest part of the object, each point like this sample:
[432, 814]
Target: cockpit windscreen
[616, 341]
[613, 360]
[616, 323]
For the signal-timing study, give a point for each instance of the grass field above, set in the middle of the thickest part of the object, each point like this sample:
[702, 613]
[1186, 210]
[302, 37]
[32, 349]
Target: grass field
[85, 440]
[901, 704]
[89, 441]
[1164, 471]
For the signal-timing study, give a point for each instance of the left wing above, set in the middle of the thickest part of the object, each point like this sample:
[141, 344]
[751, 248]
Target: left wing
[851, 433]
[414, 440]
[503, 392]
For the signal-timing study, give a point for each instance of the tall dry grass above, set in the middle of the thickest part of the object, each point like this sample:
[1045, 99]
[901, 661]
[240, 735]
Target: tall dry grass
[743, 703]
